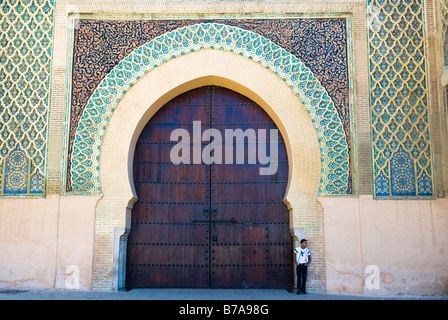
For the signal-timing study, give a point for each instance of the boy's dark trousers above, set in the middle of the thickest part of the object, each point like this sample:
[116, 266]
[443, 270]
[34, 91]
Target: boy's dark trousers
[302, 271]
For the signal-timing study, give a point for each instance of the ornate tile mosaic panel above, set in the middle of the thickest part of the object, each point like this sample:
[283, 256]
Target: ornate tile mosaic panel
[444, 18]
[26, 37]
[93, 122]
[401, 150]
[99, 45]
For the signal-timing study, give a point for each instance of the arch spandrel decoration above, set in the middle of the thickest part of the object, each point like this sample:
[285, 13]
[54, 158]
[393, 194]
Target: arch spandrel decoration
[85, 170]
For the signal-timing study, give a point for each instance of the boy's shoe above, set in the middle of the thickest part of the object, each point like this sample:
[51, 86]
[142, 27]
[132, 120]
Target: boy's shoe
[304, 292]
[299, 292]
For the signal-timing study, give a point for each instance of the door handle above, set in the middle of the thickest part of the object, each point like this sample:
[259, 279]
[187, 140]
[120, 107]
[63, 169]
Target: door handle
[214, 211]
[206, 212]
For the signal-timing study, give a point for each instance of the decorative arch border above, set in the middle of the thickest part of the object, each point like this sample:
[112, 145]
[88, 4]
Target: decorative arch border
[85, 170]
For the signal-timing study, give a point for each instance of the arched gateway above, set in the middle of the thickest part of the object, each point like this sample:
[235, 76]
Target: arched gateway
[181, 60]
[210, 224]
[148, 95]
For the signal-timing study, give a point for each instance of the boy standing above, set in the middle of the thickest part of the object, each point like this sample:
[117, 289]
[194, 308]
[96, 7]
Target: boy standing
[302, 256]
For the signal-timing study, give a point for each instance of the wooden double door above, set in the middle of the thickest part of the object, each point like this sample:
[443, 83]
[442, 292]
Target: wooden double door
[204, 225]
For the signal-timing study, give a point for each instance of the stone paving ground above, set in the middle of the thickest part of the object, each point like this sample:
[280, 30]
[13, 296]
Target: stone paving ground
[190, 294]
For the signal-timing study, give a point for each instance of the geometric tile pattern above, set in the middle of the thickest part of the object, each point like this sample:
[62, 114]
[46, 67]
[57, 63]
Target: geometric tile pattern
[26, 37]
[401, 148]
[85, 173]
[16, 172]
[444, 18]
[320, 43]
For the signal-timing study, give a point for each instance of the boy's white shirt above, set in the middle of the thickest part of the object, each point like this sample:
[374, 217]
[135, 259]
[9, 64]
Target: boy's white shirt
[302, 258]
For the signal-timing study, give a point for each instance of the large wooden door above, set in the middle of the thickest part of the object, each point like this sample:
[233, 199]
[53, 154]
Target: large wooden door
[207, 226]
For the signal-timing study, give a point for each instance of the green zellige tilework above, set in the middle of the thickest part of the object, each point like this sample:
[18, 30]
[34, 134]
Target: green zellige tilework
[444, 18]
[26, 37]
[401, 148]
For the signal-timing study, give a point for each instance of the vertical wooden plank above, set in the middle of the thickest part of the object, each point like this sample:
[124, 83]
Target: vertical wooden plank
[165, 249]
[240, 192]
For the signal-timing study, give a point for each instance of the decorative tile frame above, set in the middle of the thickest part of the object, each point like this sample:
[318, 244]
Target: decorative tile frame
[399, 99]
[26, 44]
[444, 18]
[87, 146]
[322, 42]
